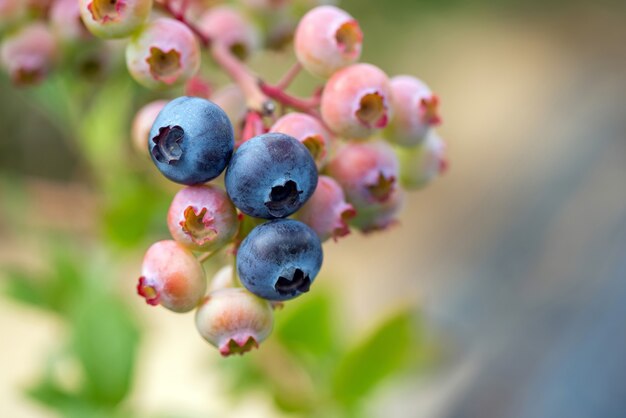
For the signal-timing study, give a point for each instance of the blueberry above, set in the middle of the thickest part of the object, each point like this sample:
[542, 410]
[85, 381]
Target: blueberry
[191, 140]
[271, 176]
[279, 259]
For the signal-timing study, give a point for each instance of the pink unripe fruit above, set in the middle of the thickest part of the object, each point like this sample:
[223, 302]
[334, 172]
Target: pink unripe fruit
[142, 123]
[380, 215]
[356, 101]
[226, 25]
[164, 54]
[114, 18]
[234, 320]
[171, 276]
[415, 111]
[222, 279]
[202, 218]
[66, 22]
[327, 39]
[309, 131]
[232, 101]
[367, 172]
[327, 211]
[422, 164]
[29, 54]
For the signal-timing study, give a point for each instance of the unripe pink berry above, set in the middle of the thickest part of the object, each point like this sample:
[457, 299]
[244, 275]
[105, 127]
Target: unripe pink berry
[29, 54]
[114, 18]
[367, 172]
[222, 279]
[196, 86]
[309, 131]
[234, 320]
[226, 25]
[66, 22]
[171, 276]
[380, 215]
[142, 123]
[327, 211]
[422, 164]
[327, 39]
[202, 218]
[415, 111]
[233, 102]
[356, 101]
[165, 53]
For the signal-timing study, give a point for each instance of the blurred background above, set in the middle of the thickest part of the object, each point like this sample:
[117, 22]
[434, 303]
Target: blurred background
[502, 293]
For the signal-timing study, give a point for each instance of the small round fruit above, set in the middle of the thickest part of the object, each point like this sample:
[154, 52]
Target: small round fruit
[415, 111]
[279, 259]
[144, 118]
[65, 21]
[356, 101]
[271, 176]
[367, 172]
[327, 211]
[379, 216]
[114, 18]
[165, 53]
[191, 140]
[423, 163]
[308, 130]
[29, 54]
[226, 25]
[327, 39]
[202, 218]
[172, 277]
[234, 321]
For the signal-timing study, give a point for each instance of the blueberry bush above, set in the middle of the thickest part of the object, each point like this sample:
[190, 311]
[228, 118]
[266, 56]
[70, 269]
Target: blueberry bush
[203, 164]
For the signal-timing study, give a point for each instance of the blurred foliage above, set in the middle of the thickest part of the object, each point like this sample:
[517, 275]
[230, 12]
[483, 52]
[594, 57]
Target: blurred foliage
[103, 335]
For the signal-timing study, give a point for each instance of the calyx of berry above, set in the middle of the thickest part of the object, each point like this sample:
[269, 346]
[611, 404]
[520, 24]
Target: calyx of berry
[372, 111]
[300, 282]
[198, 226]
[148, 292]
[349, 37]
[382, 188]
[164, 66]
[106, 10]
[167, 149]
[283, 198]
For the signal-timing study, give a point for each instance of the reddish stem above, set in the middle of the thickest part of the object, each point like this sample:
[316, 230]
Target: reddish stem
[252, 127]
[180, 16]
[289, 76]
[303, 105]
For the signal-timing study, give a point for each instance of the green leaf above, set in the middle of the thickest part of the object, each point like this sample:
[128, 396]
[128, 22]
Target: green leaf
[105, 341]
[381, 354]
[54, 290]
[305, 325]
[133, 211]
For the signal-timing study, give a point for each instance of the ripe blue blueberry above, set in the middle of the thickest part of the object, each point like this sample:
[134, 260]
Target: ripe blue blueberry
[279, 259]
[271, 176]
[191, 140]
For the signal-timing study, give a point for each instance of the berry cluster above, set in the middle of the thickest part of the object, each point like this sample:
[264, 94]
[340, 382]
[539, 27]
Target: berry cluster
[297, 171]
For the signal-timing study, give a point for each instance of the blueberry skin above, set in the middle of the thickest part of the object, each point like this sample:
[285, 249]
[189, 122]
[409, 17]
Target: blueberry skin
[271, 176]
[191, 140]
[279, 259]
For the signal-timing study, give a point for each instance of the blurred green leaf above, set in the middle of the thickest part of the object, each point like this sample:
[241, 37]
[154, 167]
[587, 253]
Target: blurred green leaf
[105, 341]
[306, 326]
[54, 290]
[373, 359]
[134, 210]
